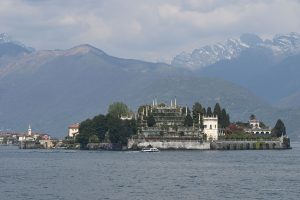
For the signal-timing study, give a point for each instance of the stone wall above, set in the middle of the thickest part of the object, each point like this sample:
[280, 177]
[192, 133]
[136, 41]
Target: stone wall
[168, 144]
[248, 145]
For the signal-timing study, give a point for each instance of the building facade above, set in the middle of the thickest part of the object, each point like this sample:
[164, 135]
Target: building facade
[73, 130]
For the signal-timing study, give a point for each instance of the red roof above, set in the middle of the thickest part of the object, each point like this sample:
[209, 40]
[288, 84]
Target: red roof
[74, 125]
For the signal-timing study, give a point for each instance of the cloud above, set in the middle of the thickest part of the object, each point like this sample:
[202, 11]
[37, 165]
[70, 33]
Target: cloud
[149, 30]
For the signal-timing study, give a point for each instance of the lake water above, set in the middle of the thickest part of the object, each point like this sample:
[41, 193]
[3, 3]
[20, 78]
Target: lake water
[53, 174]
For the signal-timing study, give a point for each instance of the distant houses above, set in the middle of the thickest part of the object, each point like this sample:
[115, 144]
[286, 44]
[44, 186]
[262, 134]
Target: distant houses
[29, 139]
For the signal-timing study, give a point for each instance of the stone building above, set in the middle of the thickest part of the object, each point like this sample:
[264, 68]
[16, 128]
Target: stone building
[169, 121]
[210, 127]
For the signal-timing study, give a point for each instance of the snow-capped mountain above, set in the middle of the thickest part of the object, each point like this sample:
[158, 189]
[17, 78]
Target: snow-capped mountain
[4, 38]
[288, 44]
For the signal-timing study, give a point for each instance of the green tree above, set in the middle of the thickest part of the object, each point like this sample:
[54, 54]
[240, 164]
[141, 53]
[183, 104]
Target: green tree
[217, 110]
[100, 126]
[117, 109]
[224, 119]
[93, 139]
[279, 129]
[218, 113]
[209, 112]
[197, 110]
[188, 121]
[151, 121]
[120, 130]
[204, 111]
[86, 131]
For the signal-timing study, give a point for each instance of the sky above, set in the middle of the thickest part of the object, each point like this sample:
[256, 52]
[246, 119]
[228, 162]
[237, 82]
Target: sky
[151, 30]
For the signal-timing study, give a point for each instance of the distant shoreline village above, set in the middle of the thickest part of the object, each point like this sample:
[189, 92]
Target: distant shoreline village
[161, 126]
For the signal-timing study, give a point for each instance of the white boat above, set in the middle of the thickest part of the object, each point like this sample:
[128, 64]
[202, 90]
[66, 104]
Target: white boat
[150, 150]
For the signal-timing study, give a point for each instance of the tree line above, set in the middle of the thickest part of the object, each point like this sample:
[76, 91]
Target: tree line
[107, 128]
[199, 110]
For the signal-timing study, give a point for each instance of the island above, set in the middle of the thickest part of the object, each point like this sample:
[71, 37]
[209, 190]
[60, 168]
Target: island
[176, 127]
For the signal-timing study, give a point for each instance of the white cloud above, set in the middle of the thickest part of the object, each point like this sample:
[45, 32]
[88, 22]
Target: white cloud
[151, 30]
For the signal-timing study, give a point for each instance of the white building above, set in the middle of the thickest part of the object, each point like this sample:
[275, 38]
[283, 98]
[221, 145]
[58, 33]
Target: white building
[126, 117]
[210, 124]
[73, 130]
[257, 129]
[254, 123]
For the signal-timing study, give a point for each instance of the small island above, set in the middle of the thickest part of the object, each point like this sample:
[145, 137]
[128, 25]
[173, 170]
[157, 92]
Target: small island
[175, 127]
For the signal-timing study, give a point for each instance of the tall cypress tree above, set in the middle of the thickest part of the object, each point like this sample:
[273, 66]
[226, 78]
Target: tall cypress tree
[197, 109]
[209, 112]
[218, 112]
[224, 120]
[279, 129]
[188, 121]
[204, 111]
[217, 109]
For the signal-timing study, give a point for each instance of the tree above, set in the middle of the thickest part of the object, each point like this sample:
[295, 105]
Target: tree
[120, 130]
[279, 129]
[117, 109]
[252, 117]
[151, 121]
[188, 121]
[217, 110]
[224, 119]
[93, 139]
[204, 111]
[86, 130]
[94, 130]
[197, 110]
[209, 112]
[100, 126]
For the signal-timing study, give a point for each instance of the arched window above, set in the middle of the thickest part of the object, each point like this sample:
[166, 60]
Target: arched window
[210, 126]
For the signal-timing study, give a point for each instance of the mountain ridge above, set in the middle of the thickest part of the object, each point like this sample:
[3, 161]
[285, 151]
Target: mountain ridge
[279, 45]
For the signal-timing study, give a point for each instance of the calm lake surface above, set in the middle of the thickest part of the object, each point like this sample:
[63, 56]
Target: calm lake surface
[53, 174]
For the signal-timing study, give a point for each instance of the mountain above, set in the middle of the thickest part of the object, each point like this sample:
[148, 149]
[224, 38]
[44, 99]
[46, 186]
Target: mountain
[256, 70]
[280, 45]
[51, 89]
[9, 47]
[291, 101]
[54, 88]
[269, 68]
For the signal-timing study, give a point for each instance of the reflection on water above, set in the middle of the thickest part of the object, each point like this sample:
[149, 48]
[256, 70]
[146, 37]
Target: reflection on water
[64, 174]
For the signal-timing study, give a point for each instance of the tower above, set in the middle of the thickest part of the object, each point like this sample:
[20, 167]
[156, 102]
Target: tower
[29, 130]
[211, 127]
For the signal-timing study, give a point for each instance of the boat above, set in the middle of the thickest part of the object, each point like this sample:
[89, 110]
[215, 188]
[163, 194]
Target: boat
[150, 150]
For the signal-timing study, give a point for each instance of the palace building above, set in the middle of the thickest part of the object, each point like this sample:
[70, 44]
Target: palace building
[167, 121]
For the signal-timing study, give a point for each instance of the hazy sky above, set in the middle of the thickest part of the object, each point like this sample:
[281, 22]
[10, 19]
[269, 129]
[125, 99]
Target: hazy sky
[153, 30]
